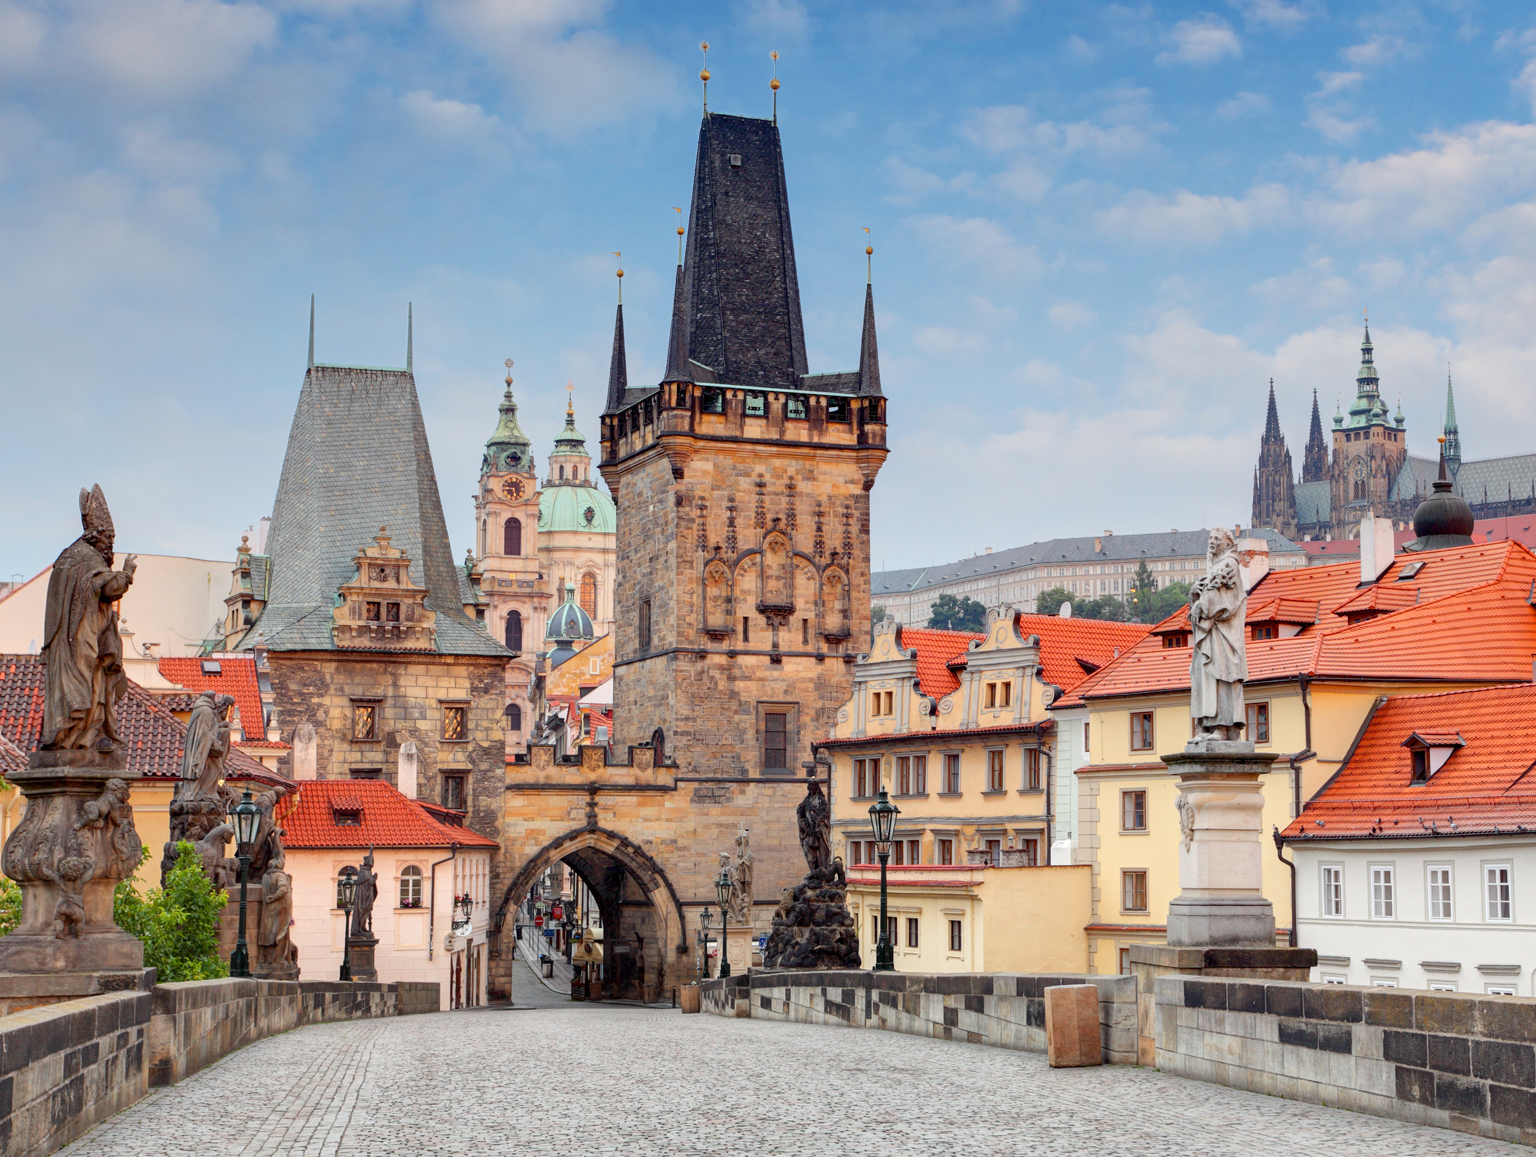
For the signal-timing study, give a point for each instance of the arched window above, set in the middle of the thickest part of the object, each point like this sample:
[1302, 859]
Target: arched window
[589, 593]
[514, 630]
[562, 473]
[339, 872]
[512, 537]
[514, 717]
[410, 887]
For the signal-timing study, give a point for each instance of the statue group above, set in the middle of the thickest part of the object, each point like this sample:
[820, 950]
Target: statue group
[812, 927]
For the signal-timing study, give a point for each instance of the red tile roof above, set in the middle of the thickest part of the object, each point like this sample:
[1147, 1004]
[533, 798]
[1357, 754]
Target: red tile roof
[153, 735]
[1486, 786]
[236, 677]
[1464, 617]
[388, 819]
[1071, 649]
[935, 649]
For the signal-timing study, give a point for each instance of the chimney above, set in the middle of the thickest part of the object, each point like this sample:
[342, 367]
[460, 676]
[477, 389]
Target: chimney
[261, 534]
[1098, 546]
[989, 550]
[405, 778]
[1375, 547]
[1253, 559]
[304, 753]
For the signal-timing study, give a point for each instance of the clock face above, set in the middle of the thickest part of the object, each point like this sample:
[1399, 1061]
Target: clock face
[1359, 467]
[512, 487]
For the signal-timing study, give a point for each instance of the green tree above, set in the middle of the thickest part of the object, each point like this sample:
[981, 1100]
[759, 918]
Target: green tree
[963, 614]
[1048, 602]
[10, 905]
[876, 614]
[179, 924]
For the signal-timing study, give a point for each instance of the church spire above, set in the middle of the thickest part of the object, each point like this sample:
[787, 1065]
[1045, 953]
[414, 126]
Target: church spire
[1452, 444]
[1314, 466]
[1367, 381]
[1272, 419]
[869, 351]
[677, 339]
[618, 372]
[507, 449]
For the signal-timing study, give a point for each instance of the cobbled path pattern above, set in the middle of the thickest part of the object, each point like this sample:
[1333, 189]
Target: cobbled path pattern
[572, 1080]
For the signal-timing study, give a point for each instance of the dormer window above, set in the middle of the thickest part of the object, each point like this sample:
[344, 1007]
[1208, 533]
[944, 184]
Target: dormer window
[347, 817]
[1429, 751]
[1175, 639]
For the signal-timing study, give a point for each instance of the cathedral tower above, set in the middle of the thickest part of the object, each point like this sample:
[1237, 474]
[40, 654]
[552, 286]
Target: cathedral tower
[742, 482]
[1314, 467]
[1369, 449]
[1452, 432]
[1274, 494]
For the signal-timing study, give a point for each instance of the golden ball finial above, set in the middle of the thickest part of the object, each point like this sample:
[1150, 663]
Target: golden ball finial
[774, 84]
[679, 230]
[774, 55]
[869, 251]
[704, 75]
[621, 273]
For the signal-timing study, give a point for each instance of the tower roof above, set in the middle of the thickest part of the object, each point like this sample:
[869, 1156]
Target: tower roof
[743, 297]
[869, 352]
[618, 368]
[1272, 418]
[508, 447]
[357, 459]
[570, 442]
[1450, 407]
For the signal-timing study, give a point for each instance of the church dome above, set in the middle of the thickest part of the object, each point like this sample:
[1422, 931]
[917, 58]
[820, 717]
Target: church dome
[576, 507]
[567, 625]
[1443, 519]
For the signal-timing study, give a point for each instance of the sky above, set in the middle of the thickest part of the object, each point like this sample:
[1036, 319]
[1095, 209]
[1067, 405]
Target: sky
[1099, 230]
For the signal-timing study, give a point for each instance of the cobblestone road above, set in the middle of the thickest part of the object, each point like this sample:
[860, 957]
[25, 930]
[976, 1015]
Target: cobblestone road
[572, 1080]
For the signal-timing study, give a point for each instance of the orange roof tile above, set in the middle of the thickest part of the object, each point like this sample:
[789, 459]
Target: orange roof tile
[935, 649]
[1487, 785]
[236, 677]
[388, 819]
[1463, 617]
[1071, 649]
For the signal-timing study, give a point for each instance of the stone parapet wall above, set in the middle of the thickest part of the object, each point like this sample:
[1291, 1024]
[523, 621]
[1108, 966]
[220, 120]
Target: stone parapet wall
[1456, 1060]
[1005, 1010]
[69, 1065]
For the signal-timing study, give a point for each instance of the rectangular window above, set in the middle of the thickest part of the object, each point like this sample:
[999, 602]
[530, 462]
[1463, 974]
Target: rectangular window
[805, 632]
[1005, 694]
[391, 612]
[454, 729]
[1496, 891]
[991, 695]
[794, 406]
[757, 404]
[1141, 731]
[746, 628]
[1333, 890]
[775, 741]
[645, 625]
[911, 931]
[890, 929]
[1133, 891]
[898, 852]
[951, 775]
[371, 612]
[1125, 961]
[1383, 894]
[955, 942]
[453, 792]
[1031, 769]
[366, 773]
[995, 853]
[1085, 737]
[946, 852]
[914, 852]
[903, 775]
[919, 775]
[1258, 722]
[1133, 811]
[365, 720]
[1440, 892]
[1031, 850]
[994, 771]
[866, 777]
[1499, 989]
[1420, 765]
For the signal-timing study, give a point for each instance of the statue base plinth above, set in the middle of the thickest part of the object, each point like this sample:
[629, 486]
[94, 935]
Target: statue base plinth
[94, 766]
[813, 928]
[1225, 922]
[21, 991]
[101, 949]
[360, 950]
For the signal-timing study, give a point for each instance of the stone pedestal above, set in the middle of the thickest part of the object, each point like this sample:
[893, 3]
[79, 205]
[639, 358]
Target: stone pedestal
[812, 927]
[72, 847]
[361, 949]
[1072, 1038]
[1221, 803]
[229, 921]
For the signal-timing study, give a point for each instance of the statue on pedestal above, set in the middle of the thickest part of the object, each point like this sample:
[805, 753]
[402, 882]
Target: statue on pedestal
[200, 804]
[76, 840]
[1219, 660]
[740, 906]
[812, 927]
[814, 819]
[363, 899]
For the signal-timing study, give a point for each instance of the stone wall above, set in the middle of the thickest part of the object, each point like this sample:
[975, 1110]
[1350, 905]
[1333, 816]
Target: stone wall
[1005, 1010]
[1457, 1060]
[68, 1066]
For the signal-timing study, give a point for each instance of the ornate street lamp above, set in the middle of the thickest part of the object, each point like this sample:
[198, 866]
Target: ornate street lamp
[723, 894]
[882, 820]
[704, 919]
[346, 893]
[247, 817]
[467, 906]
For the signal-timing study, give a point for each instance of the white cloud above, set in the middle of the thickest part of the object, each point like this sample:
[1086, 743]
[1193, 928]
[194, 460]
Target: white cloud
[1242, 105]
[152, 151]
[1377, 50]
[1078, 49]
[1012, 128]
[1332, 82]
[1070, 315]
[449, 120]
[909, 182]
[979, 243]
[1335, 127]
[1190, 218]
[785, 19]
[1525, 84]
[1314, 286]
[1205, 40]
[162, 48]
[1271, 12]
[21, 35]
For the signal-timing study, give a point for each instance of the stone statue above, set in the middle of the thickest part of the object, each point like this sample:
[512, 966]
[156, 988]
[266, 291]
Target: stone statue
[207, 744]
[741, 879]
[814, 817]
[1218, 661]
[82, 650]
[276, 955]
[112, 814]
[200, 805]
[221, 871]
[362, 901]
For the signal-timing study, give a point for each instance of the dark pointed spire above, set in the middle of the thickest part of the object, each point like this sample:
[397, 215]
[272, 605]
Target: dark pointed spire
[1452, 447]
[618, 372]
[1314, 465]
[1272, 419]
[869, 352]
[677, 339]
[311, 331]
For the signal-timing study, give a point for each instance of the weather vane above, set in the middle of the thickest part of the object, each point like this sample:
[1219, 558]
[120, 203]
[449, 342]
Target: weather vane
[704, 72]
[869, 257]
[678, 210]
[774, 83]
[509, 373]
[617, 254]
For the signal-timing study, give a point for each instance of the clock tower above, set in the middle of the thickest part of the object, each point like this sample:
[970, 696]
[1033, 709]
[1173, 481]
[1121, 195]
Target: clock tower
[506, 527]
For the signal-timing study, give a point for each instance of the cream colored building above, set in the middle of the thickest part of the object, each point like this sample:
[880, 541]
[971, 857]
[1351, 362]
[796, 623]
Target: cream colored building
[425, 864]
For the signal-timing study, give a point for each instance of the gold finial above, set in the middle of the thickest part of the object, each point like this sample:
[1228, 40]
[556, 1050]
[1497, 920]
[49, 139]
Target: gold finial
[869, 258]
[570, 400]
[704, 72]
[509, 373]
[620, 275]
[1441, 438]
[678, 210]
[774, 84]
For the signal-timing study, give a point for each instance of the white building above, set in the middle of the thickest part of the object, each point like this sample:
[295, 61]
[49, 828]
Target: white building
[1416, 863]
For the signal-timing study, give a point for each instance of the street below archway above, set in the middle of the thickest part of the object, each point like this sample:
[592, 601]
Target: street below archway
[568, 1080]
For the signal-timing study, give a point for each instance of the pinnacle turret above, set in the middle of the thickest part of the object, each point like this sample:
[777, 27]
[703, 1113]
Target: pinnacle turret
[618, 370]
[1314, 465]
[1452, 433]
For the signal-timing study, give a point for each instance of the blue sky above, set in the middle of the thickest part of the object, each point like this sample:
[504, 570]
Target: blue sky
[1099, 231]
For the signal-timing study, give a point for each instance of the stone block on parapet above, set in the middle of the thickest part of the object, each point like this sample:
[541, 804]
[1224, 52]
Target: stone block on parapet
[1072, 1026]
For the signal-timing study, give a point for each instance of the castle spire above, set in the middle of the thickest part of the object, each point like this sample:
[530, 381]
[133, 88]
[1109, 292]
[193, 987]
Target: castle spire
[409, 336]
[1367, 381]
[1452, 444]
[507, 449]
[618, 372]
[1272, 419]
[1314, 466]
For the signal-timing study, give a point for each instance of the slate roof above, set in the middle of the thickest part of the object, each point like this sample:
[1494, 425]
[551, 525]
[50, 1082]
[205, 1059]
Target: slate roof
[1052, 551]
[357, 459]
[1483, 480]
[1465, 616]
[154, 736]
[389, 819]
[1484, 787]
[1314, 502]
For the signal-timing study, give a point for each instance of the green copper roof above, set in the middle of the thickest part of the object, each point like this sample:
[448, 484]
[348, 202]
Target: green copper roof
[508, 448]
[566, 506]
[570, 441]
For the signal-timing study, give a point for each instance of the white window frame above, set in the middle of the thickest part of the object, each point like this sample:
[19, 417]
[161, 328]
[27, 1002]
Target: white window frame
[1383, 902]
[1442, 986]
[1334, 978]
[1324, 871]
[1508, 884]
[1449, 899]
[1500, 990]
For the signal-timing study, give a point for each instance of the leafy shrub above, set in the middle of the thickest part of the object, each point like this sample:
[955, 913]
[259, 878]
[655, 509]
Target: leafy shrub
[179, 924]
[10, 905]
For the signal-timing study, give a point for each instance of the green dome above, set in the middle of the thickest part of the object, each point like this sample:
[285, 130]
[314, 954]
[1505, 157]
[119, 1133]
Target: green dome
[569, 621]
[565, 508]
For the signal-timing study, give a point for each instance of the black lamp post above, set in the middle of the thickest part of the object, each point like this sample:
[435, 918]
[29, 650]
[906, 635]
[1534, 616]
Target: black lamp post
[247, 817]
[346, 891]
[882, 819]
[704, 939]
[723, 894]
